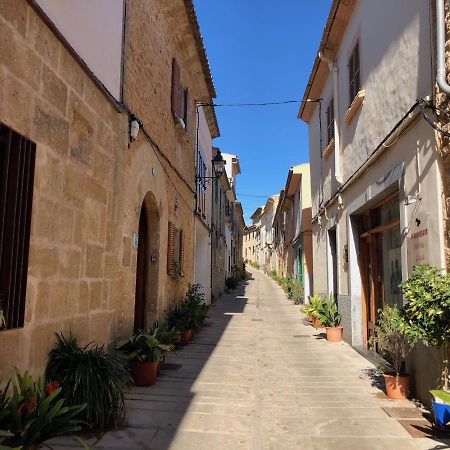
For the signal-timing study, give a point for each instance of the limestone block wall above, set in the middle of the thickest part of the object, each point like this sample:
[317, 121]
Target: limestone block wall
[90, 184]
[81, 142]
[157, 32]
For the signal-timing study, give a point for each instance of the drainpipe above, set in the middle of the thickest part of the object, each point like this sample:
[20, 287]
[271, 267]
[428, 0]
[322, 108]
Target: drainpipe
[440, 34]
[337, 142]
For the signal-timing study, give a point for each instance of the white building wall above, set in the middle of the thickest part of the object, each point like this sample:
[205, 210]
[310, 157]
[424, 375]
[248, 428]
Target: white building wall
[396, 69]
[202, 260]
[84, 23]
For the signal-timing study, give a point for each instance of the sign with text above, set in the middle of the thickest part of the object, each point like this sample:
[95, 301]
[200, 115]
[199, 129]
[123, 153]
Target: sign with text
[418, 247]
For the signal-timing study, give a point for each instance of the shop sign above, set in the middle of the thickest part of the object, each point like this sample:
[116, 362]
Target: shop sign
[418, 248]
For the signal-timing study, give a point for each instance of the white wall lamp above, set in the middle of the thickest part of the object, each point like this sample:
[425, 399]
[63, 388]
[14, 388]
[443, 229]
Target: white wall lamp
[135, 126]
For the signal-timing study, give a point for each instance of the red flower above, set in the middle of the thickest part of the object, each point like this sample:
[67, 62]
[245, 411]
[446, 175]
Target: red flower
[31, 405]
[52, 387]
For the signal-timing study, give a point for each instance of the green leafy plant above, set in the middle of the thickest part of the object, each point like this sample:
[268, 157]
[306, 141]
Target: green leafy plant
[231, 283]
[427, 311]
[392, 338]
[194, 306]
[177, 318]
[176, 272]
[297, 294]
[33, 413]
[314, 306]
[328, 313]
[191, 313]
[90, 375]
[164, 334]
[145, 347]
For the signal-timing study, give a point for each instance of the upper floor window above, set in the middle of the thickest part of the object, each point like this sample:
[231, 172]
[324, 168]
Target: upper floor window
[330, 121]
[17, 161]
[354, 74]
[201, 185]
[180, 97]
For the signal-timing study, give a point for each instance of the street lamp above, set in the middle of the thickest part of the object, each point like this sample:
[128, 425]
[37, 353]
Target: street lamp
[218, 164]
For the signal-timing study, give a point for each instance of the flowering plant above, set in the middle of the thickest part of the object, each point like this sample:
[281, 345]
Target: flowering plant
[32, 413]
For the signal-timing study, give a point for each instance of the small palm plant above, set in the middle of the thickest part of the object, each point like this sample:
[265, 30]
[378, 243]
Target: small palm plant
[314, 306]
[90, 375]
[145, 347]
[328, 313]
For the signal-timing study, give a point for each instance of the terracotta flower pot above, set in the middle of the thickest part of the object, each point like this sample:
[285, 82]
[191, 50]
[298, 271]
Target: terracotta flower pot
[186, 336]
[397, 386]
[144, 373]
[317, 323]
[334, 334]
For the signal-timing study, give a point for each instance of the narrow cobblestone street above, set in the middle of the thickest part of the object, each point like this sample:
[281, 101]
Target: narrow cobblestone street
[258, 377]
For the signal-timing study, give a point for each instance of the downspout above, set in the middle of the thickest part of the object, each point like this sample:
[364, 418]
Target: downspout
[440, 35]
[334, 69]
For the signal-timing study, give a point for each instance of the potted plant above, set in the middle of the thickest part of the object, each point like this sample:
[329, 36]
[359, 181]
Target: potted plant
[35, 412]
[178, 318]
[166, 336]
[427, 312]
[195, 307]
[330, 318]
[230, 284]
[393, 341]
[313, 309]
[92, 375]
[144, 352]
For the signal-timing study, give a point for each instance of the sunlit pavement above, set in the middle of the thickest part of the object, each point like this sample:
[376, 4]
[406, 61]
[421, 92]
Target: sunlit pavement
[259, 377]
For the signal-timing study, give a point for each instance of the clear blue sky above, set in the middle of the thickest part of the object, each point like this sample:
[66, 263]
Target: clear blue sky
[261, 50]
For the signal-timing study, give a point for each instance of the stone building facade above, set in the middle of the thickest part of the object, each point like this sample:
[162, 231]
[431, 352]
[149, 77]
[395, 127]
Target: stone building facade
[377, 172]
[111, 219]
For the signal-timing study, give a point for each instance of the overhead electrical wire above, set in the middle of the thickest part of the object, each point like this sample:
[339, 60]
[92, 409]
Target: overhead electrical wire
[424, 104]
[282, 102]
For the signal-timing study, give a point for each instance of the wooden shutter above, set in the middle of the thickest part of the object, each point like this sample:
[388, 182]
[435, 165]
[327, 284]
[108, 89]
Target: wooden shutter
[176, 89]
[354, 73]
[182, 251]
[187, 100]
[171, 249]
[330, 121]
[17, 162]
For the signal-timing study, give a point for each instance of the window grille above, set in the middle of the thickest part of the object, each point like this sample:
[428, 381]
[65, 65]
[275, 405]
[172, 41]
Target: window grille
[17, 162]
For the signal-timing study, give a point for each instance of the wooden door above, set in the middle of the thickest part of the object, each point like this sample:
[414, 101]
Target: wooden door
[140, 308]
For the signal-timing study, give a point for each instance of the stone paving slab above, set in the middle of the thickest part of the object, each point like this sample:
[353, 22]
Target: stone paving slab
[246, 382]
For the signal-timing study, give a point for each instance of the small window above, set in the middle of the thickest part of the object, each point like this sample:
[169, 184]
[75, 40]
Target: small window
[330, 121]
[354, 74]
[17, 162]
[201, 185]
[180, 97]
[175, 251]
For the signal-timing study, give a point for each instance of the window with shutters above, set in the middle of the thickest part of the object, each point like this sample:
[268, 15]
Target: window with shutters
[17, 161]
[330, 121]
[354, 74]
[175, 251]
[180, 97]
[201, 186]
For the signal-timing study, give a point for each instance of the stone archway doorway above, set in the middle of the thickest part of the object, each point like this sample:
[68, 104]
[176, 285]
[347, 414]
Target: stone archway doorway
[147, 264]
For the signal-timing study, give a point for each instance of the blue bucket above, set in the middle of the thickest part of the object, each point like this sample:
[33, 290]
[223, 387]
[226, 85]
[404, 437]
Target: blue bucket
[441, 415]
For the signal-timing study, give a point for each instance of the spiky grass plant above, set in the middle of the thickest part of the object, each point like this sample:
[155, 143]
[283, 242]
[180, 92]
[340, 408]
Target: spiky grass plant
[90, 375]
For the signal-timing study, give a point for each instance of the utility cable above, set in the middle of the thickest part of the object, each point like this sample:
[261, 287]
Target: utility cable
[422, 104]
[233, 105]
